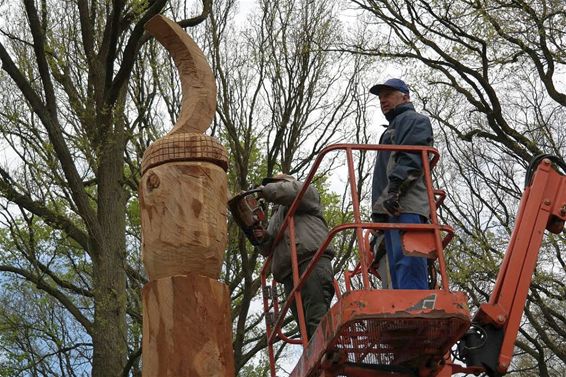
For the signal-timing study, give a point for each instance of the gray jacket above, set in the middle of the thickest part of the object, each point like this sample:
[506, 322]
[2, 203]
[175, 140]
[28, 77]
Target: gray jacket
[310, 227]
[406, 127]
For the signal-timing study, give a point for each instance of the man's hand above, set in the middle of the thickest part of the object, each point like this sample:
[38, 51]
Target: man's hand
[259, 233]
[391, 204]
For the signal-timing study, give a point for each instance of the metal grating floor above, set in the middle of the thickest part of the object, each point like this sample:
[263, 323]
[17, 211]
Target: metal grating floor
[398, 333]
[407, 342]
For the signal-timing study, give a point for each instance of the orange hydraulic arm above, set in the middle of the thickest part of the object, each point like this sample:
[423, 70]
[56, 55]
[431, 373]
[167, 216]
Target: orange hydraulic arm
[490, 341]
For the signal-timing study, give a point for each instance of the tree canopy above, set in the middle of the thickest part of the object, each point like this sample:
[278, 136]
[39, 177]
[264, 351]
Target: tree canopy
[86, 90]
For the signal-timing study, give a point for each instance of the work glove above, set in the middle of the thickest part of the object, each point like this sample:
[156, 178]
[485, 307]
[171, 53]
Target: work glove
[391, 203]
[260, 192]
[259, 233]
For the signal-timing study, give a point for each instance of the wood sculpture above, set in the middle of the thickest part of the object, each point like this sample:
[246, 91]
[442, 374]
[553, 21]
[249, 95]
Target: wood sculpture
[183, 194]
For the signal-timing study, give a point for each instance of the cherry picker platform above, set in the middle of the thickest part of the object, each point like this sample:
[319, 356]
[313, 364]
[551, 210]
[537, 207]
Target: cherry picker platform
[373, 332]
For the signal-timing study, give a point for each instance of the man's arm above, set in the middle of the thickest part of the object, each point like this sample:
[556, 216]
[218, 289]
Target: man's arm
[266, 241]
[284, 193]
[408, 166]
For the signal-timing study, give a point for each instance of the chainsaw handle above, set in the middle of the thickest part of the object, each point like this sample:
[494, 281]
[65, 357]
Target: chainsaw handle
[253, 191]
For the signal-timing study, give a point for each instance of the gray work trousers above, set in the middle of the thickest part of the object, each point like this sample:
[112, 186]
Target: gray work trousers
[316, 294]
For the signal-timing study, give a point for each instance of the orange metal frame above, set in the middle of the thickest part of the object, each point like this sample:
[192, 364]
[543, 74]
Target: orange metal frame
[542, 206]
[275, 320]
[371, 332]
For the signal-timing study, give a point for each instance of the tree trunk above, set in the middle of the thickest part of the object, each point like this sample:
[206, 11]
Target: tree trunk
[183, 213]
[110, 331]
[187, 328]
[109, 335]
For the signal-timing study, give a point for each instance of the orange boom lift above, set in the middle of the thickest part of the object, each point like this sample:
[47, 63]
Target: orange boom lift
[402, 333]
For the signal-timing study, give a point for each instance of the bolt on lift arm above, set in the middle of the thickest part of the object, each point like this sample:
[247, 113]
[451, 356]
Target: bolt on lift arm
[489, 343]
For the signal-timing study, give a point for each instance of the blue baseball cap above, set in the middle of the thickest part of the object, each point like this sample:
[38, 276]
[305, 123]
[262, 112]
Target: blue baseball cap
[395, 84]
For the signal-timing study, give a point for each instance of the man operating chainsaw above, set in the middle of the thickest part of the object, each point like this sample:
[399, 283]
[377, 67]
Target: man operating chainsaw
[310, 232]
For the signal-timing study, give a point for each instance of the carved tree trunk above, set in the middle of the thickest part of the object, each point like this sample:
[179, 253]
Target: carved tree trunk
[192, 336]
[183, 197]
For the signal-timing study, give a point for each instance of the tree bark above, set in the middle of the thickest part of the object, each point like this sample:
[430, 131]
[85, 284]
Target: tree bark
[110, 340]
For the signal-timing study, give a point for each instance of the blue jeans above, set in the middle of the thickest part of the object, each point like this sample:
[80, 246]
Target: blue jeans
[406, 272]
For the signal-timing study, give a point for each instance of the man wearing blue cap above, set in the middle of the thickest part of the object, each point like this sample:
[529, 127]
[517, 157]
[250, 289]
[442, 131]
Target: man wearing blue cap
[398, 190]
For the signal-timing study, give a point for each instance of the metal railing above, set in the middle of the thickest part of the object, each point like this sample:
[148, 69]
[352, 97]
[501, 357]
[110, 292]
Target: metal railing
[275, 319]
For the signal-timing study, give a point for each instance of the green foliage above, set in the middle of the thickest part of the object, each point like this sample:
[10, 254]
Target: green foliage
[35, 327]
[255, 370]
[138, 6]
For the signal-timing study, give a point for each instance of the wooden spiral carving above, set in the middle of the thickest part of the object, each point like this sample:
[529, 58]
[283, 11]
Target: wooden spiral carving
[183, 195]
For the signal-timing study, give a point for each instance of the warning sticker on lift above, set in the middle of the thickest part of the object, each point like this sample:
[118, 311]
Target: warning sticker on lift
[428, 302]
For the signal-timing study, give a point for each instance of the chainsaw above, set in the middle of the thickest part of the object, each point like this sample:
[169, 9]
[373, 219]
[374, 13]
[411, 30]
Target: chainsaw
[248, 212]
